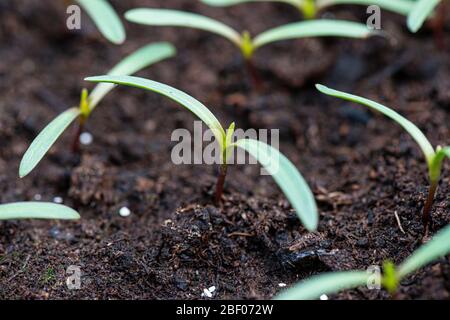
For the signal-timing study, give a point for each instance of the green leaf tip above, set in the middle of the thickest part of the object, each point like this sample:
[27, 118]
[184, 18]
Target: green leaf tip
[106, 19]
[288, 178]
[37, 210]
[420, 12]
[44, 141]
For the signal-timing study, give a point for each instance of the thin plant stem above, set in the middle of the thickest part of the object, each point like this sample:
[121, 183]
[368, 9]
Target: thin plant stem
[220, 183]
[76, 137]
[253, 74]
[426, 214]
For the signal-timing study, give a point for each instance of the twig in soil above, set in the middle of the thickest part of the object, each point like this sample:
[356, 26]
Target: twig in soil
[399, 223]
[240, 234]
[434, 157]
[276, 164]
[22, 269]
[390, 279]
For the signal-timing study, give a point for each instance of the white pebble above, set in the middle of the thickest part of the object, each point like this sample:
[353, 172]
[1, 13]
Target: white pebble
[324, 297]
[206, 293]
[37, 197]
[212, 289]
[124, 212]
[86, 138]
[58, 200]
[282, 285]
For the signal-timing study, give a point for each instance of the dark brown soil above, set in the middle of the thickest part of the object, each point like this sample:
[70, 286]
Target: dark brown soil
[362, 167]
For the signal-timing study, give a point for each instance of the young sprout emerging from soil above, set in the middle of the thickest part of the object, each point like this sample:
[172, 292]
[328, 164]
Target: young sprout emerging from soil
[282, 170]
[139, 60]
[330, 283]
[36, 210]
[421, 11]
[244, 41]
[310, 8]
[105, 18]
[434, 158]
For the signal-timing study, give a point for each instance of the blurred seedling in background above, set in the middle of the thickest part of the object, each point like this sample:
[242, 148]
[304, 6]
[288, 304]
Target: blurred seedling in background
[331, 283]
[138, 60]
[434, 157]
[37, 210]
[244, 41]
[282, 170]
[311, 8]
[105, 18]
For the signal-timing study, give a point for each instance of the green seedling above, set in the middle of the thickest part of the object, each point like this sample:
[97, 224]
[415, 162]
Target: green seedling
[37, 210]
[330, 283]
[139, 60]
[434, 157]
[244, 41]
[105, 18]
[421, 10]
[282, 170]
[310, 8]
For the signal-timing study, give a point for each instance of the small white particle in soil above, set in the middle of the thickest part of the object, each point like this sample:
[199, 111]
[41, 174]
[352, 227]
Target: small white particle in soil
[37, 197]
[86, 138]
[282, 285]
[58, 200]
[206, 293]
[124, 212]
[324, 297]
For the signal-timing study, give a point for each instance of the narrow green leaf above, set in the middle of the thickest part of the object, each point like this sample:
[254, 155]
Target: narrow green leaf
[36, 210]
[106, 19]
[288, 179]
[227, 3]
[402, 7]
[437, 247]
[190, 103]
[138, 60]
[174, 18]
[313, 28]
[410, 127]
[421, 11]
[43, 142]
[327, 283]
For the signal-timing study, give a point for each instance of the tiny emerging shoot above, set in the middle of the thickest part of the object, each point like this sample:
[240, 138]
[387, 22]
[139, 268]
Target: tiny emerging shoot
[138, 60]
[282, 170]
[106, 19]
[330, 283]
[37, 210]
[310, 8]
[244, 41]
[434, 157]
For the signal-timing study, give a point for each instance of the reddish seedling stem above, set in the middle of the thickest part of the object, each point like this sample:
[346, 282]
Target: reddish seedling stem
[220, 183]
[253, 74]
[76, 136]
[438, 24]
[426, 214]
